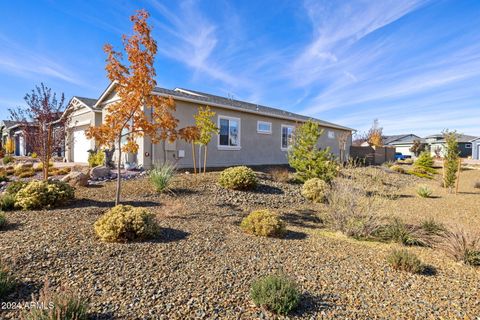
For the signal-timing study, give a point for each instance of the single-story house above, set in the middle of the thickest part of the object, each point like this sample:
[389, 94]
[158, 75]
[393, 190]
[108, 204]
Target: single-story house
[250, 134]
[15, 130]
[476, 149]
[436, 144]
[402, 143]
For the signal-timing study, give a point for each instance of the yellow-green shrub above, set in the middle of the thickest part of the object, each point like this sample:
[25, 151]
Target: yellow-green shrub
[26, 173]
[39, 167]
[125, 223]
[96, 159]
[238, 178]
[397, 168]
[43, 194]
[263, 223]
[315, 189]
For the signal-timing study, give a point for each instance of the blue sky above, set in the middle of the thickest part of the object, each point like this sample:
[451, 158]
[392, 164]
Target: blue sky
[413, 64]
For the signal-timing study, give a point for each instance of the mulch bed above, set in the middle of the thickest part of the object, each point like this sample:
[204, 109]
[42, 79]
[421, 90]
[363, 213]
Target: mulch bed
[202, 265]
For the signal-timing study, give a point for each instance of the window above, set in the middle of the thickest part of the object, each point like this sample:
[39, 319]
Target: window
[229, 137]
[468, 146]
[331, 134]
[264, 127]
[287, 136]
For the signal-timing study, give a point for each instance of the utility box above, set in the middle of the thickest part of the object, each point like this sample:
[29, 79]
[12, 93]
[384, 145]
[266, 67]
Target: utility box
[181, 153]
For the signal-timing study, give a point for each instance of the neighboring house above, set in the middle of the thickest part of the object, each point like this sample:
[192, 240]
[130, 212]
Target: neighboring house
[402, 143]
[15, 130]
[476, 149]
[250, 134]
[437, 147]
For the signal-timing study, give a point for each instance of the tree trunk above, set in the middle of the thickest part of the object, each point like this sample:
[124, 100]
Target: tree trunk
[205, 161]
[47, 153]
[458, 175]
[193, 157]
[119, 177]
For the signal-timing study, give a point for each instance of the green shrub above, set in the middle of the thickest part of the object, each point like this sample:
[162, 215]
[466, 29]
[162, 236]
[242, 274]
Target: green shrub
[425, 161]
[424, 192]
[275, 293]
[43, 194]
[15, 186]
[462, 247]
[403, 260]
[66, 305]
[420, 172]
[160, 177]
[3, 177]
[263, 223]
[7, 282]
[408, 161]
[26, 173]
[432, 227]
[397, 168]
[39, 167]
[34, 155]
[96, 158]
[238, 178]
[126, 223]
[408, 235]
[7, 202]
[3, 220]
[8, 159]
[451, 159]
[307, 159]
[315, 189]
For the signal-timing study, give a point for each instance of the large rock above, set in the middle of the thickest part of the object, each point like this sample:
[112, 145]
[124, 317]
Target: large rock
[99, 173]
[76, 179]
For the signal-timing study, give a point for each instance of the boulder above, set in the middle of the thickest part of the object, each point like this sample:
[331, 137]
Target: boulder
[76, 179]
[99, 173]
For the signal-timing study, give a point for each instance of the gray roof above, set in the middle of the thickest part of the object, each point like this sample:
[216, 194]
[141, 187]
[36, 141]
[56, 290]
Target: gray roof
[462, 138]
[88, 101]
[393, 138]
[207, 98]
[9, 123]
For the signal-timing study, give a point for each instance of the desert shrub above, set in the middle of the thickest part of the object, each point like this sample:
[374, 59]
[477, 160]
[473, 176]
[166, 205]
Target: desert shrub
[374, 181]
[403, 260]
[263, 223]
[7, 282]
[400, 232]
[462, 247]
[96, 158]
[315, 189]
[43, 194]
[424, 191]
[420, 172]
[7, 202]
[3, 220]
[408, 161]
[64, 171]
[476, 185]
[397, 168]
[160, 177]
[307, 159]
[26, 173]
[388, 164]
[451, 159]
[39, 167]
[65, 305]
[351, 211]
[15, 186]
[126, 223]
[432, 227]
[425, 161]
[7, 159]
[280, 174]
[238, 178]
[276, 293]
[34, 155]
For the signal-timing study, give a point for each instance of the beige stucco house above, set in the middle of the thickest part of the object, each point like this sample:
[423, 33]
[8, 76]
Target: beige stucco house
[250, 134]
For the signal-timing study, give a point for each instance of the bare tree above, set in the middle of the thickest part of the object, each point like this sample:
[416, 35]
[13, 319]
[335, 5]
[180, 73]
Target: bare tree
[43, 123]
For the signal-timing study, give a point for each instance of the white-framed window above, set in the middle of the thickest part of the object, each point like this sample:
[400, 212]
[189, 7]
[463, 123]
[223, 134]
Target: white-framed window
[331, 134]
[264, 127]
[468, 146]
[287, 136]
[229, 136]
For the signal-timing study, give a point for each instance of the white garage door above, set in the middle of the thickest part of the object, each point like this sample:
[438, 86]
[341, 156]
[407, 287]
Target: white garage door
[81, 145]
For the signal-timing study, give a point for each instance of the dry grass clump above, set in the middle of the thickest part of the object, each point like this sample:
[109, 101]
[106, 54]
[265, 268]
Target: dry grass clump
[276, 293]
[403, 260]
[433, 228]
[263, 223]
[405, 234]
[62, 304]
[375, 181]
[280, 174]
[7, 282]
[3, 221]
[315, 190]
[397, 168]
[462, 247]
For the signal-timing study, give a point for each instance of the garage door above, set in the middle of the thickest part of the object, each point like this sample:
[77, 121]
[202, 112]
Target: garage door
[81, 145]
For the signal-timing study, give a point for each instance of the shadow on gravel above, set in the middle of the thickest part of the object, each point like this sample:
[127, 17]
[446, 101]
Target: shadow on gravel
[179, 192]
[294, 235]
[429, 270]
[266, 189]
[85, 203]
[302, 218]
[101, 316]
[23, 291]
[170, 235]
[12, 226]
[311, 304]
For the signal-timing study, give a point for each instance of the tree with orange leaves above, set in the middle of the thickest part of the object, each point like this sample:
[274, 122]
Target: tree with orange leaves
[138, 113]
[375, 134]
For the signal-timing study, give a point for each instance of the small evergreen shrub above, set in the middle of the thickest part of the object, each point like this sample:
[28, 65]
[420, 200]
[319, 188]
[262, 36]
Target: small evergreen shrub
[126, 223]
[451, 158]
[424, 192]
[315, 190]
[160, 177]
[7, 282]
[96, 158]
[7, 202]
[425, 161]
[238, 178]
[263, 223]
[408, 235]
[43, 194]
[7, 159]
[15, 186]
[275, 293]
[462, 247]
[66, 305]
[420, 172]
[403, 260]
[3, 220]
[397, 168]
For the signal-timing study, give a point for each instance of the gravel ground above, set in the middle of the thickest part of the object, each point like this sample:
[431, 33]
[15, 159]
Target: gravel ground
[202, 265]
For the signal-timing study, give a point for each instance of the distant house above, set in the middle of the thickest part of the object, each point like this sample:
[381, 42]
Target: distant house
[436, 143]
[250, 134]
[401, 142]
[476, 149]
[15, 130]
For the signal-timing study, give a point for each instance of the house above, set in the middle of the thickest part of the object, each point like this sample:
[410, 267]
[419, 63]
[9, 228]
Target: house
[476, 149]
[436, 144]
[15, 130]
[402, 143]
[250, 134]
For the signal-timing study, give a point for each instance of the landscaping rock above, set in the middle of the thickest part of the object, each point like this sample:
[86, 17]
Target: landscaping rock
[99, 173]
[76, 179]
